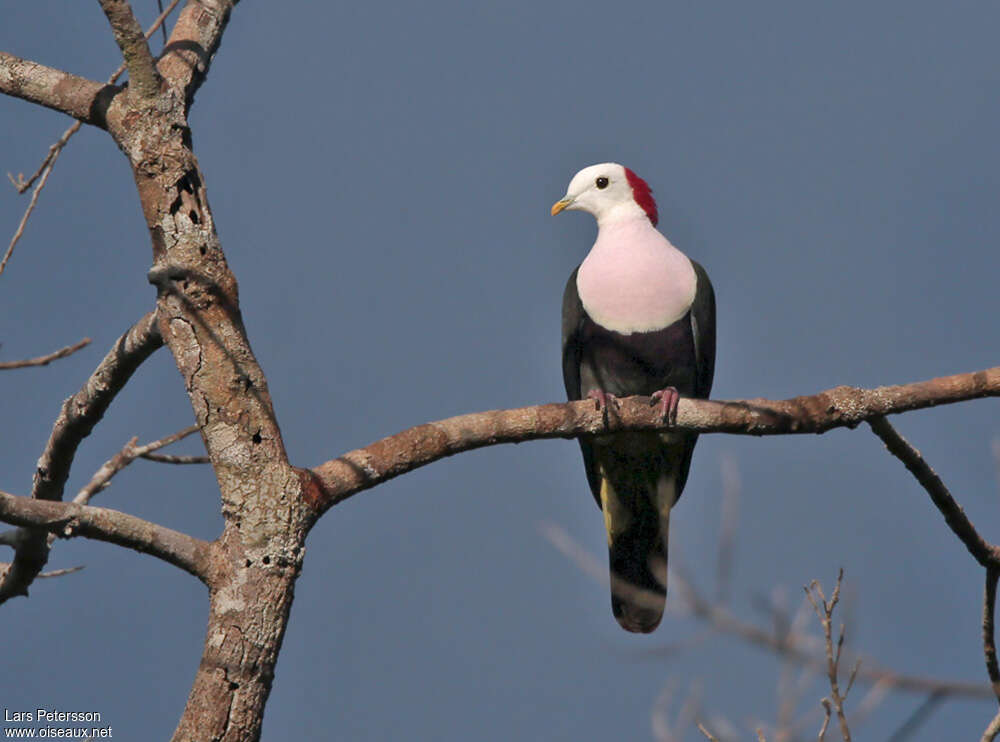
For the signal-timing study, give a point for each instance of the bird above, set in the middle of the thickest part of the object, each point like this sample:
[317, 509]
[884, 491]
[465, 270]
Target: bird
[638, 318]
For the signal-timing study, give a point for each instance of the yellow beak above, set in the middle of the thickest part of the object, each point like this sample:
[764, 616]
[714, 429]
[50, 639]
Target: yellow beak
[560, 205]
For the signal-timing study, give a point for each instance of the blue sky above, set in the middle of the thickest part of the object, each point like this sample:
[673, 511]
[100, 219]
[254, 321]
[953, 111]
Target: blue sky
[381, 176]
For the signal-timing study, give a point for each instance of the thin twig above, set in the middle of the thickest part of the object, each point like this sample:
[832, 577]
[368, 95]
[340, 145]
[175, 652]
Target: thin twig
[989, 636]
[27, 212]
[129, 453]
[828, 711]
[785, 643]
[51, 573]
[169, 458]
[60, 572]
[53, 154]
[79, 414]
[46, 359]
[20, 183]
[817, 598]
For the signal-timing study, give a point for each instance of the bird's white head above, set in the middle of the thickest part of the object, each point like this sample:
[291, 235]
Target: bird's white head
[611, 192]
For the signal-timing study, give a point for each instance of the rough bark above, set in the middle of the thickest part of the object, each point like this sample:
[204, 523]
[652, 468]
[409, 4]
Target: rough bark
[144, 80]
[259, 555]
[83, 99]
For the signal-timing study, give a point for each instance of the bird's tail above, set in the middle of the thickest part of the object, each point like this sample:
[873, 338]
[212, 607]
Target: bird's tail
[637, 491]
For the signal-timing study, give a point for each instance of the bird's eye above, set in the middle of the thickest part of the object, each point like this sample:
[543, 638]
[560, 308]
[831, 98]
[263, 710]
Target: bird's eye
[602, 182]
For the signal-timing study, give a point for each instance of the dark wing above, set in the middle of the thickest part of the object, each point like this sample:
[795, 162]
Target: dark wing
[703, 331]
[703, 328]
[572, 321]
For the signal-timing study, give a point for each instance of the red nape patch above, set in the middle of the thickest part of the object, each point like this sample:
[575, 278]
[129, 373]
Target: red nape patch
[643, 195]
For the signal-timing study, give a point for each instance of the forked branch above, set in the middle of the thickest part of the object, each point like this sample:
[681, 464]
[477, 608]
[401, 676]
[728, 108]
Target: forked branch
[79, 414]
[824, 611]
[987, 554]
[45, 168]
[47, 358]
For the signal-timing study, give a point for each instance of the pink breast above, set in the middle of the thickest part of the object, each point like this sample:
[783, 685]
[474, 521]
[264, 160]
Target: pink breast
[634, 280]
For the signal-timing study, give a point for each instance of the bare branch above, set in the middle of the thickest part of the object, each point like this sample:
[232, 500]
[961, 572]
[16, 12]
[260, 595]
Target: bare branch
[60, 572]
[83, 99]
[22, 184]
[167, 458]
[790, 645]
[984, 553]
[828, 711]
[77, 418]
[49, 162]
[193, 42]
[52, 573]
[46, 359]
[68, 519]
[129, 453]
[143, 77]
[992, 729]
[989, 635]
[817, 598]
[843, 406]
[85, 408]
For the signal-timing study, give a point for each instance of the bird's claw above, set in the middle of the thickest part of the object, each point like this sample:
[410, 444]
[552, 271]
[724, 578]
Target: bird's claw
[667, 399]
[603, 400]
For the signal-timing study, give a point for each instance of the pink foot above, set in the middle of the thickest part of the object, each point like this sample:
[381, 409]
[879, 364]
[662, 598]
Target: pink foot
[668, 399]
[603, 400]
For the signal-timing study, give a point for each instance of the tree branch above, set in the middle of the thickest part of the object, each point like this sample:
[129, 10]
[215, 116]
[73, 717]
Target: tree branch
[68, 519]
[79, 414]
[785, 643]
[143, 77]
[49, 162]
[169, 458]
[193, 42]
[989, 640]
[843, 406]
[984, 553]
[129, 453]
[46, 359]
[79, 97]
[990, 647]
[815, 593]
